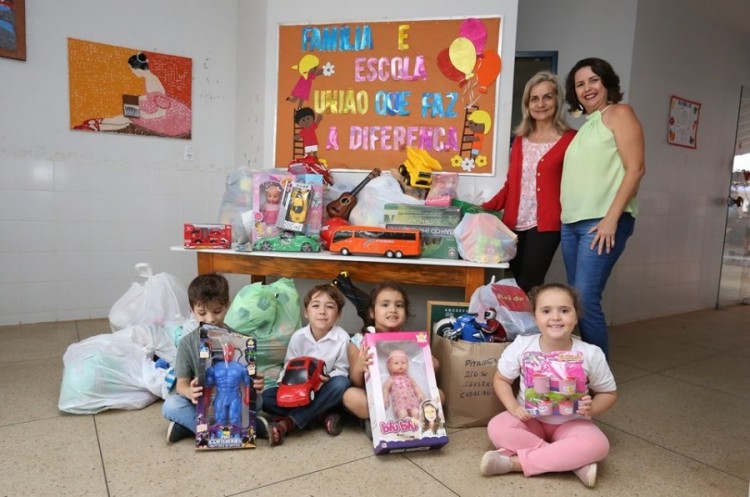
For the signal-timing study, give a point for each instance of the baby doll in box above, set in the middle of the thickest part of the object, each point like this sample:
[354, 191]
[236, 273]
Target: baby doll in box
[402, 394]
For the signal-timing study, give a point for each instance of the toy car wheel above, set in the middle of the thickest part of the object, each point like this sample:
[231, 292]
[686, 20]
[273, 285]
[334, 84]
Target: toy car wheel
[444, 329]
[389, 254]
[345, 251]
[265, 246]
[306, 247]
[399, 254]
[312, 395]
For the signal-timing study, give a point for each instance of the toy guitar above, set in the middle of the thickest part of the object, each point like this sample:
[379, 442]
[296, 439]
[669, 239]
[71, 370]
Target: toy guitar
[342, 206]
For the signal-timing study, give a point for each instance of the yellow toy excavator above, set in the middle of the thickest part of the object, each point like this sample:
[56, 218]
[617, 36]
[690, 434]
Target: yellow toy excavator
[417, 169]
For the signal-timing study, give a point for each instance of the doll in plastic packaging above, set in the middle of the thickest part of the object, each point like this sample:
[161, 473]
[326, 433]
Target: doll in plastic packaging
[400, 390]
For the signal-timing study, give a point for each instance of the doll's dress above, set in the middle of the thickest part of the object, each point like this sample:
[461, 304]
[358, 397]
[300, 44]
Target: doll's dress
[270, 213]
[175, 122]
[403, 396]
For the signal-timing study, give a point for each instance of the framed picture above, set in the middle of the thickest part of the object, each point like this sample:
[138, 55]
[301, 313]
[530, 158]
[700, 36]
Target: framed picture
[13, 29]
[437, 310]
[683, 122]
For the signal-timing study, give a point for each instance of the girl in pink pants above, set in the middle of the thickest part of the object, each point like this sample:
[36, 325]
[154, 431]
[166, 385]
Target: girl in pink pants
[547, 427]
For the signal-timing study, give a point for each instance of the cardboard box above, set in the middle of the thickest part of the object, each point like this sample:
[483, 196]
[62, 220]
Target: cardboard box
[413, 420]
[226, 412]
[438, 242]
[422, 215]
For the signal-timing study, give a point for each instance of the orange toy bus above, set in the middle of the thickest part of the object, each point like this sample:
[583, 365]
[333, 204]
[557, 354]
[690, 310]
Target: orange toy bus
[373, 240]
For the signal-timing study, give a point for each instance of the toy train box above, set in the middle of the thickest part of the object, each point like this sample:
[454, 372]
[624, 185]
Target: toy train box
[402, 394]
[208, 236]
[226, 412]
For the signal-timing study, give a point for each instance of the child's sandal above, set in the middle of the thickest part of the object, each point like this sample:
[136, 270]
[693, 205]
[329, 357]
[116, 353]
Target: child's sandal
[279, 429]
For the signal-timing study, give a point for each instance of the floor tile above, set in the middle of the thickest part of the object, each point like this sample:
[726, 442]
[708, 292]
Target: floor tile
[30, 390]
[39, 341]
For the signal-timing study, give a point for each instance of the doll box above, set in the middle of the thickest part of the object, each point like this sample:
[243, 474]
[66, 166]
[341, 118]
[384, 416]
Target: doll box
[226, 412]
[405, 410]
[268, 187]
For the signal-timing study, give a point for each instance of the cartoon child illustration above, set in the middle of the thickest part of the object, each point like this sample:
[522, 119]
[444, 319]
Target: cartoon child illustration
[309, 68]
[271, 207]
[480, 123]
[308, 121]
[430, 419]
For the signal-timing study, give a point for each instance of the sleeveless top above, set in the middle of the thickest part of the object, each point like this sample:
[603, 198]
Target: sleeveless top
[592, 173]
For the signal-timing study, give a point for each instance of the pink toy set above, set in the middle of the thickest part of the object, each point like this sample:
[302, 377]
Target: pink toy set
[268, 189]
[554, 382]
[402, 394]
[226, 412]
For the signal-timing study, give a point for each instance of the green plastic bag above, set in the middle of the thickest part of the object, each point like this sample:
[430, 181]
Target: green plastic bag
[271, 314]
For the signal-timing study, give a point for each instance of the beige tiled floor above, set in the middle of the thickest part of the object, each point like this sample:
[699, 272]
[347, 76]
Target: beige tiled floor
[681, 428]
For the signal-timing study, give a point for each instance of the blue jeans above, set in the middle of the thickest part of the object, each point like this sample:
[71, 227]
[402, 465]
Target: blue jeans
[588, 272]
[182, 411]
[328, 397]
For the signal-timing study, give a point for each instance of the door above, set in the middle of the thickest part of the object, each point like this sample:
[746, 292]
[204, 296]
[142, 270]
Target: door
[734, 284]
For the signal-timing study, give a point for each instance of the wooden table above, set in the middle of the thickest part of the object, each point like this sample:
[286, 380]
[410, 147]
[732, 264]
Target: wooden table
[326, 266]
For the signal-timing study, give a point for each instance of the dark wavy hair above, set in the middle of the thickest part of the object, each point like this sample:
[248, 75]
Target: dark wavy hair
[138, 61]
[601, 68]
[208, 288]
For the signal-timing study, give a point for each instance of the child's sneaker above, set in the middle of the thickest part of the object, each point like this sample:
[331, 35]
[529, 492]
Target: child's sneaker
[587, 474]
[176, 432]
[333, 423]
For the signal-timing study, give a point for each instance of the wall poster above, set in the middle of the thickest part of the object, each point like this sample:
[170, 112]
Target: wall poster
[683, 122]
[357, 94]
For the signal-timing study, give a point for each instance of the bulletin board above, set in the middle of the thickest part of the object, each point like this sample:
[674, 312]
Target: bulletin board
[377, 87]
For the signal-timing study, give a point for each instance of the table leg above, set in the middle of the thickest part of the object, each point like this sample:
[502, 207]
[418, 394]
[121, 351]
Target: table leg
[474, 279]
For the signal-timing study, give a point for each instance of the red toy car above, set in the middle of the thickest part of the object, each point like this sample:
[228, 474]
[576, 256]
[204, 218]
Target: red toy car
[300, 381]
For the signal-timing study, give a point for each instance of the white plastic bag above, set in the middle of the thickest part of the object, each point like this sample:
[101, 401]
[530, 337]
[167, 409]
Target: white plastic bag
[511, 304]
[484, 238]
[371, 200]
[109, 371]
[161, 299]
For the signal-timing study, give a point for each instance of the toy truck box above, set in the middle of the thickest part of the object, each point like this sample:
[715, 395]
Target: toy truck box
[226, 412]
[402, 394]
[438, 242]
[421, 215]
[207, 236]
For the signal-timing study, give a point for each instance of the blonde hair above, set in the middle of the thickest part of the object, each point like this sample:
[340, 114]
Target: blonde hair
[528, 124]
[306, 63]
[481, 117]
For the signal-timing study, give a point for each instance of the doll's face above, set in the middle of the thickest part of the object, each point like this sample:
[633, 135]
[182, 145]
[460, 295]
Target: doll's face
[273, 195]
[398, 365]
[429, 413]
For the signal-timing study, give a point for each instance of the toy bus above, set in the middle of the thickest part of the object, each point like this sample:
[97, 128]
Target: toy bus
[373, 240]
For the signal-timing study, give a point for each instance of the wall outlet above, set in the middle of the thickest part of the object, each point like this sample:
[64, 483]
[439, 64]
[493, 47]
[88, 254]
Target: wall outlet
[189, 153]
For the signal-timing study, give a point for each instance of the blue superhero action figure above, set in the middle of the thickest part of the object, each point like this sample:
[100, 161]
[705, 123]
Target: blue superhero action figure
[232, 382]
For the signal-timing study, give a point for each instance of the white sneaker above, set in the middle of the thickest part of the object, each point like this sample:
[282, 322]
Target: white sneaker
[587, 474]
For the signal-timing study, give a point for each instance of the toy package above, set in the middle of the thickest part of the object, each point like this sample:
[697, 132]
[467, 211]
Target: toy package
[268, 188]
[443, 189]
[553, 382]
[207, 236]
[295, 207]
[226, 412]
[314, 218]
[402, 394]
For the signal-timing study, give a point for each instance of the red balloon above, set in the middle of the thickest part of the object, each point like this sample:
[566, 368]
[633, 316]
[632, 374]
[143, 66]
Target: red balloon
[447, 68]
[328, 227]
[487, 69]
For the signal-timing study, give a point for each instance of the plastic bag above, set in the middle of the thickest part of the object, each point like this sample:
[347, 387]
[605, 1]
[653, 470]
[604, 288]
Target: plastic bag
[161, 299]
[237, 199]
[270, 313]
[484, 238]
[511, 304]
[371, 200]
[109, 371]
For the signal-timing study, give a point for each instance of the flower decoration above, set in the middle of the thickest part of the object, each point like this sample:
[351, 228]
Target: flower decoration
[467, 164]
[481, 161]
[328, 69]
[456, 161]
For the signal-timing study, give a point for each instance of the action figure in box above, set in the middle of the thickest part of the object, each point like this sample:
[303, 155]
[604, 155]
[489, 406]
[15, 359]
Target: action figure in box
[208, 295]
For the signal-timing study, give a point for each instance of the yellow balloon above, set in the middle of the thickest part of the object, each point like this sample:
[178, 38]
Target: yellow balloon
[463, 55]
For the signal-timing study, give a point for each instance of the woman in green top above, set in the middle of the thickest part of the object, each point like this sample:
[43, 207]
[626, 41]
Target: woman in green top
[603, 167]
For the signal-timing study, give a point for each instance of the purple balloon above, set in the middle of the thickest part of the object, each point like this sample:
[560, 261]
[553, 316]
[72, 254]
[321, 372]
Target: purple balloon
[473, 29]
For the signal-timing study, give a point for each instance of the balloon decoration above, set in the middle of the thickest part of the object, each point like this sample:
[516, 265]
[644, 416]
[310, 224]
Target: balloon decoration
[487, 70]
[468, 63]
[463, 56]
[474, 30]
